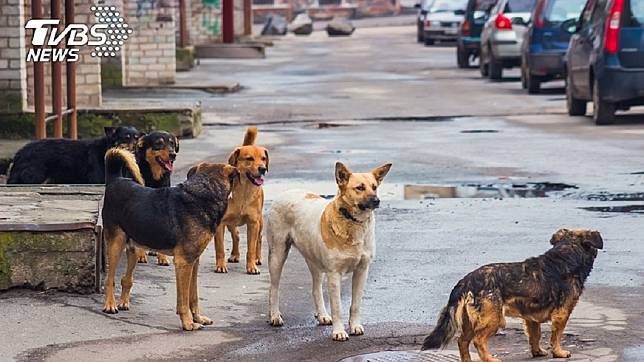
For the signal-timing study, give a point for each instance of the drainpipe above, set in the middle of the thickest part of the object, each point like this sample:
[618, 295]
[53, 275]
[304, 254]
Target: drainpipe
[228, 19]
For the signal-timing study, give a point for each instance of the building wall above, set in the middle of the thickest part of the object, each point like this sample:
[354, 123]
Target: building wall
[205, 22]
[13, 73]
[149, 54]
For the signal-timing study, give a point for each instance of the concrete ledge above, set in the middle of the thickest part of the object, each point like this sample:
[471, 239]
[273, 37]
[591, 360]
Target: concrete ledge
[245, 50]
[48, 239]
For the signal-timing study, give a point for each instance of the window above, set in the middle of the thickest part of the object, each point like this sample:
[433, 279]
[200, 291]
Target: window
[558, 11]
[519, 6]
[633, 13]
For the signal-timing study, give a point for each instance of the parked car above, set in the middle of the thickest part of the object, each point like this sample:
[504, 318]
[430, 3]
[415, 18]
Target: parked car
[443, 20]
[502, 36]
[423, 9]
[605, 61]
[546, 42]
[468, 40]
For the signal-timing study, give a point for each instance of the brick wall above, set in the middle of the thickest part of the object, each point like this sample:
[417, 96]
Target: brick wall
[13, 74]
[149, 53]
[88, 68]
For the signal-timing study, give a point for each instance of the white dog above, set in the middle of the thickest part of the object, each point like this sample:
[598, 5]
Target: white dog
[334, 237]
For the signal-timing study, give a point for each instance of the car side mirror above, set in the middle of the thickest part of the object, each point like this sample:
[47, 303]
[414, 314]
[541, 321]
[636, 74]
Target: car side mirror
[459, 12]
[417, 5]
[570, 26]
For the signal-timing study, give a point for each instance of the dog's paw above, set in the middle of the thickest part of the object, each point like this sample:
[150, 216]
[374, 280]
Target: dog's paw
[258, 262]
[276, 320]
[152, 253]
[142, 258]
[252, 269]
[163, 260]
[561, 353]
[124, 306]
[324, 319]
[539, 353]
[202, 320]
[110, 307]
[191, 326]
[221, 269]
[233, 259]
[340, 336]
[356, 330]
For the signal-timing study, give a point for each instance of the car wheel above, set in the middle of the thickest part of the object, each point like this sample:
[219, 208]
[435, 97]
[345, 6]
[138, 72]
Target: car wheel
[429, 41]
[419, 36]
[483, 65]
[524, 81]
[462, 58]
[495, 68]
[575, 106]
[603, 112]
[533, 83]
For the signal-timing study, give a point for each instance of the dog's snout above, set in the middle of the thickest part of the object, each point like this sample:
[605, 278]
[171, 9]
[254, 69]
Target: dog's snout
[173, 156]
[374, 202]
[261, 170]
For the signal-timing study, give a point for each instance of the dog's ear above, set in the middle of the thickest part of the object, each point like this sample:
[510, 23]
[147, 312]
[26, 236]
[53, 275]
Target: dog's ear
[594, 239]
[231, 172]
[559, 236]
[380, 172]
[139, 135]
[109, 131]
[140, 144]
[234, 157]
[342, 174]
[267, 159]
[176, 144]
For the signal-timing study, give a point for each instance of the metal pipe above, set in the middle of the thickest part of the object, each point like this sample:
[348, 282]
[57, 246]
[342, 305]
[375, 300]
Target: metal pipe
[184, 37]
[39, 81]
[248, 17]
[57, 76]
[71, 78]
[228, 20]
[54, 116]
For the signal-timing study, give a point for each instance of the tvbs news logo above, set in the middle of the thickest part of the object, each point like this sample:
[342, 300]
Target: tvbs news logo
[107, 36]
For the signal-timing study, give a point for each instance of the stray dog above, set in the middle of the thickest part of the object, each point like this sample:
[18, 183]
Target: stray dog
[63, 161]
[155, 155]
[245, 206]
[334, 238]
[539, 289]
[178, 221]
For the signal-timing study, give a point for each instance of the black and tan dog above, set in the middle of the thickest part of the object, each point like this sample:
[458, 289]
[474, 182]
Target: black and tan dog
[539, 289]
[64, 161]
[178, 221]
[155, 155]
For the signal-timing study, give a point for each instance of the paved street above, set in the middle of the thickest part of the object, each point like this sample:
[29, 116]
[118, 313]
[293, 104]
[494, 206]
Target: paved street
[375, 97]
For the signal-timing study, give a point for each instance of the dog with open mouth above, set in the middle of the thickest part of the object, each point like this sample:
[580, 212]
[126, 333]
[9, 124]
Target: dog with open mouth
[155, 156]
[335, 238]
[245, 206]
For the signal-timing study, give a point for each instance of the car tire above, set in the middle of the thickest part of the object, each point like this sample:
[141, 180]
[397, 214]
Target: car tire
[428, 41]
[495, 67]
[483, 68]
[575, 106]
[462, 58]
[419, 36]
[524, 81]
[533, 84]
[603, 112]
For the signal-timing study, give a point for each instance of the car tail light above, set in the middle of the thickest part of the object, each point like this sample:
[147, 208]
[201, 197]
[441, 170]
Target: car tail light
[502, 22]
[611, 37]
[538, 14]
[466, 28]
[428, 23]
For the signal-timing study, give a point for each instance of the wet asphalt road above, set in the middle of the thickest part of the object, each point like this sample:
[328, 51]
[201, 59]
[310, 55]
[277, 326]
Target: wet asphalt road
[424, 246]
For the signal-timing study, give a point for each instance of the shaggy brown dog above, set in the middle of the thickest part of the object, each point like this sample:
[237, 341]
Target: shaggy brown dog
[245, 206]
[540, 289]
[178, 221]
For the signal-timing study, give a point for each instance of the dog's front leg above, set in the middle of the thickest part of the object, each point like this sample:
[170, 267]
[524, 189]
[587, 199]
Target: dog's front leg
[194, 298]
[251, 256]
[183, 270]
[357, 289]
[220, 253]
[334, 280]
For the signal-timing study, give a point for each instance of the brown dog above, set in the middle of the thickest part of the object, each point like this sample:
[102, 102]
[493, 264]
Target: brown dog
[245, 206]
[538, 290]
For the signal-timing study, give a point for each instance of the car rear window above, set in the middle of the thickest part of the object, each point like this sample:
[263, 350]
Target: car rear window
[448, 5]
[633, 13]
[558, 11]
[484, 5]
[519, 6]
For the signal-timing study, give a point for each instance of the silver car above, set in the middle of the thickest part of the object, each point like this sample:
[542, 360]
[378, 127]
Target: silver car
[443, 20]
[502, 36]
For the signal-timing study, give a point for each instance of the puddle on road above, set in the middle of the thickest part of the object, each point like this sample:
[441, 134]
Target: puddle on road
[606, 196]
[627, 209]
[479, 131]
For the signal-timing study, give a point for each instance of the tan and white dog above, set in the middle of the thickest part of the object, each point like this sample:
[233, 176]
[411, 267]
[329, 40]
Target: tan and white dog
[334, 238]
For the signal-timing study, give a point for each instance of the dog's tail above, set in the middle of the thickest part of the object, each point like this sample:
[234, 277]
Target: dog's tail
[450, 319]
[118, 160]
[250, 136]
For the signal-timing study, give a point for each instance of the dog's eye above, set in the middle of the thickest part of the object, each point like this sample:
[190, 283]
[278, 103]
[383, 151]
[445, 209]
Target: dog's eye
[374, 187]
[360, 188]
[263, 158]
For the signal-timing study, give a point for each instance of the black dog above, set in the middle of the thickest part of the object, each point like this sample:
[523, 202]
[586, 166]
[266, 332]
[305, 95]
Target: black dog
[178, 221]
[63, 161]
[540, 289]
[155, 155]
